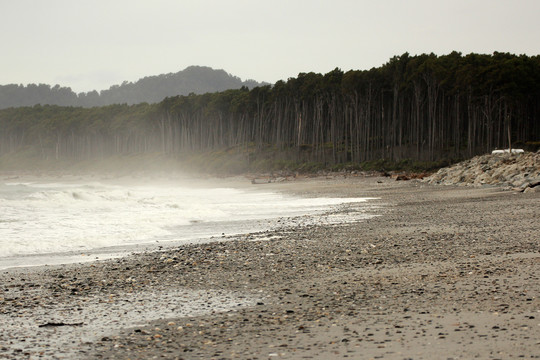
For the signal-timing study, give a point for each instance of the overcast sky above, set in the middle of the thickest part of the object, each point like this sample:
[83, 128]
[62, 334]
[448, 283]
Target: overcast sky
[94, 44]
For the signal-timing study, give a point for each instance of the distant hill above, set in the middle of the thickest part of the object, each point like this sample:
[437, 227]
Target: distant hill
[151, 89]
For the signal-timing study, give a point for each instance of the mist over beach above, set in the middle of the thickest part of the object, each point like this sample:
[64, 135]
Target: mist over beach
[259, 180]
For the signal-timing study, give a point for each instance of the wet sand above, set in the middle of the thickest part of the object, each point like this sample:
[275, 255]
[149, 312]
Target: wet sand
[443, 272]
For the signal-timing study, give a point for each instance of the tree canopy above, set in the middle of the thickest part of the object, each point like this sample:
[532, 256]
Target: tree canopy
[151, 89]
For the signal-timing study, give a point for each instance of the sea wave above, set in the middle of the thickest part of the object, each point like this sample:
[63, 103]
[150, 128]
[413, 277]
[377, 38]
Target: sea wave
[39, 218]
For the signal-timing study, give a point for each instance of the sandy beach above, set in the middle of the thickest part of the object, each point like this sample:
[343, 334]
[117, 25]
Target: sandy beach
[443, 272]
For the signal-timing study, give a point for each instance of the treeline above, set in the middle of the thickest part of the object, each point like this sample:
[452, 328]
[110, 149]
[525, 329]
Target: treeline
[423, 107]
[151, 89]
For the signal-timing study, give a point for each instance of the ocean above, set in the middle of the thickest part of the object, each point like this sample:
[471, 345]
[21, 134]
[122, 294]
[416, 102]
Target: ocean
[51, 222]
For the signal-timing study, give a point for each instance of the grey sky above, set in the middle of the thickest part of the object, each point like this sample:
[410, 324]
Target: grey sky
[94, 44]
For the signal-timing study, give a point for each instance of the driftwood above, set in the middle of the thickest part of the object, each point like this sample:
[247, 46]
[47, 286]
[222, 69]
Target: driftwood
[53, 324]
[268, 180]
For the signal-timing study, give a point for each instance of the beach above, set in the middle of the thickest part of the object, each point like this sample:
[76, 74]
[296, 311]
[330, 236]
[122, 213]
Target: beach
[447, 272]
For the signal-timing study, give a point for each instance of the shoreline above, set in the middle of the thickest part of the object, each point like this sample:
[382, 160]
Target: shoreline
[446, 269]
[219, 230]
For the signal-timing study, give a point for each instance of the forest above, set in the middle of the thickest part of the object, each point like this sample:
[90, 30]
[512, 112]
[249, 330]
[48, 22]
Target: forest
[150, 89]
[421, 108]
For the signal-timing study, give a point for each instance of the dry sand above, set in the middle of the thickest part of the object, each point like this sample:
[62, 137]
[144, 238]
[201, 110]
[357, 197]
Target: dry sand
[443, 273]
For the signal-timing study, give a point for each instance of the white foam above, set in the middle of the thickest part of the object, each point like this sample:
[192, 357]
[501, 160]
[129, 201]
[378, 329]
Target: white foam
[54, 217]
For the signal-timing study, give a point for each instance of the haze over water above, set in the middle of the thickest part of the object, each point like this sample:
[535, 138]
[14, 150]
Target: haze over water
[53, 219]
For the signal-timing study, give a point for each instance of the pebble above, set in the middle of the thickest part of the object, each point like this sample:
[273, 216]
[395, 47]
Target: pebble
[317, 294]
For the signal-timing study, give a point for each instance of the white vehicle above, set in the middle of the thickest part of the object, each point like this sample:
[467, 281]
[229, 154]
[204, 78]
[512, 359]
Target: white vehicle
[506, 151]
